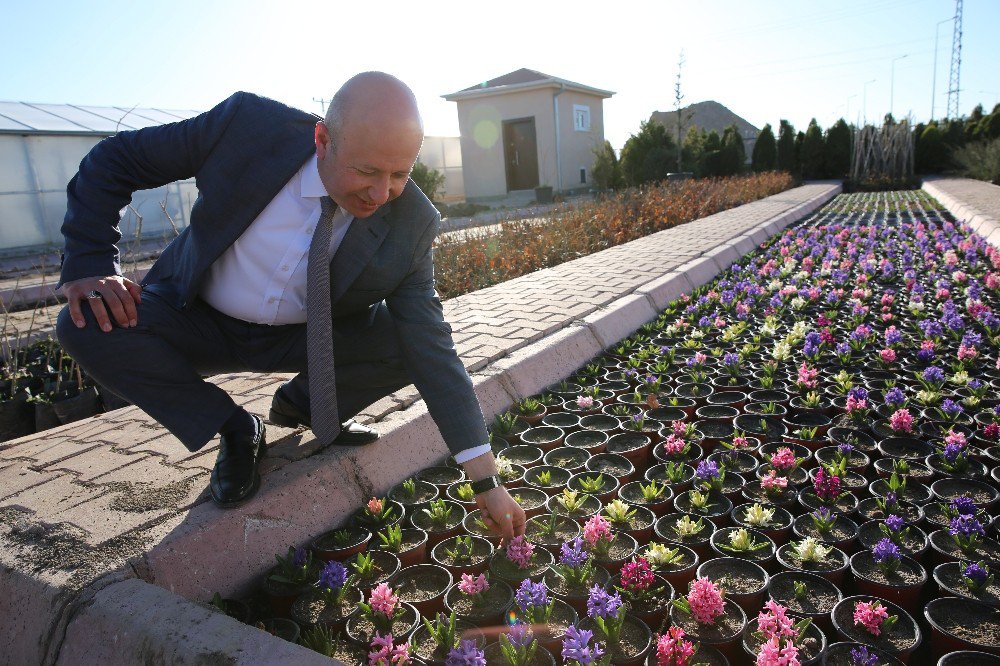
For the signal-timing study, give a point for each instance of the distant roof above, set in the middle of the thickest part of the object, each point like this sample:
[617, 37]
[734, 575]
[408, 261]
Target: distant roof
[522, 79]
[25, 118]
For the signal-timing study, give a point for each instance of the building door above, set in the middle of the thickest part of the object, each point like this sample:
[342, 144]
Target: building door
[520, 154]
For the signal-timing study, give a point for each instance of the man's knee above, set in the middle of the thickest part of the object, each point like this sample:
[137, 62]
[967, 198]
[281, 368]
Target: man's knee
[72, 338]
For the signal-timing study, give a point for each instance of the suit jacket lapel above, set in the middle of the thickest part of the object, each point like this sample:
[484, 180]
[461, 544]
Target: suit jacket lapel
[362, 240]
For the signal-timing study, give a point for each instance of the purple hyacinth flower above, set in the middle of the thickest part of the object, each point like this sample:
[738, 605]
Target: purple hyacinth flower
[860, 656]
[572, 553]
[602, 604]
[964, 506]
[895, 396]
[885, 551]
[333, 576]
[952, 451]
[934, 375]
[531, 595]
[576, 647]
[950, 407]
[977, 574]
[466, 654]
[894, 522]
[707, 469]
[520, 635]
[300, 556]
[965, 526]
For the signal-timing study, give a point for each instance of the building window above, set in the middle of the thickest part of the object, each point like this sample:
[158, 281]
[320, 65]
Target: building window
[583, 176]
[581, 118]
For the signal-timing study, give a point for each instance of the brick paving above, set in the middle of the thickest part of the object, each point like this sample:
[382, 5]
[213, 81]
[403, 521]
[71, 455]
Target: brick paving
[973, 201]
[119, 478]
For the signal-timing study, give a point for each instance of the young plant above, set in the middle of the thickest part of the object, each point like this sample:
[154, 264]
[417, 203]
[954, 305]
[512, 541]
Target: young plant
[528, 407]
[296, 568]
[741, 541]
[887, 556]
[443, 631]
[462, 551]
[618, 512]
[364, 566]
[543, 478]
[409, 488]
[700, 502]
[660, 556]
[571, 500]
[465, 493]
[823, 520]
[685, 527]
[591, 484]
[518, 645]
[759, 515]
[653, 491]
[378, 511]
[439, 513]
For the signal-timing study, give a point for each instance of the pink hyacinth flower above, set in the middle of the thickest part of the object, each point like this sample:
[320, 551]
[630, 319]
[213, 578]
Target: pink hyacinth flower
[519, 551]
[473, 584]
[375, 506]
[901, 421]
[705, 600]
[771, 481]
[772, 654]
[672, 649]
[870, 615]
[383, 601]
[597, 529]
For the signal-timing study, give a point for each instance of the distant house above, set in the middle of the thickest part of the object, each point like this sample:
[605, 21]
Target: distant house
[526, 129]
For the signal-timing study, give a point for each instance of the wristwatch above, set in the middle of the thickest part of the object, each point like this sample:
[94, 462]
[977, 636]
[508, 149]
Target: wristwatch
[489, 483]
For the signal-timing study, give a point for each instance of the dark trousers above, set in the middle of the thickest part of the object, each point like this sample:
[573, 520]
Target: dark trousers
[160, 365]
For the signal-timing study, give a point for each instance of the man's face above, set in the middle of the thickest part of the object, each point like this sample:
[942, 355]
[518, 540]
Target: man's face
[369, 164]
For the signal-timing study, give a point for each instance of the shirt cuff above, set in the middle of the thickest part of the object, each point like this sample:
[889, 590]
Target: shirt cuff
[474, 452]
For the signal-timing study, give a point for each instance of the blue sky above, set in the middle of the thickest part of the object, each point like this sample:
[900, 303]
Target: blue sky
[765, 60]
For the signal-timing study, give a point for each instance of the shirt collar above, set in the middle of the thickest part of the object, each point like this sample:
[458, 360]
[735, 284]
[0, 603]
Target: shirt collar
[311, 185]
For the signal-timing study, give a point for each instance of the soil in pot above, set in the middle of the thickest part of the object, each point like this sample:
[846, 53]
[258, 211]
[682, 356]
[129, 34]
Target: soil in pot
[832, 567]
[489, 611]
[423, 586]
[341, 544]
[810, 646]
[428, 652]
[502, 567]
[960, 624]
[467, 557]
[634, 642]
[949, 578]
[818, 598]
[744, 582]
[384, 566]
[839, 654]
[494, 656]
[567, 458]
[312, 608]
[901, 586]
[361, 630]
[723, 634]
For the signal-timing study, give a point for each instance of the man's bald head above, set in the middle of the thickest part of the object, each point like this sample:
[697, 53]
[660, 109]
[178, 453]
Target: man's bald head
[375, 99]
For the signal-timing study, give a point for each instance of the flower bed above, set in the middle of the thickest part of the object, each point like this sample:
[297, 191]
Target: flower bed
[818, 460]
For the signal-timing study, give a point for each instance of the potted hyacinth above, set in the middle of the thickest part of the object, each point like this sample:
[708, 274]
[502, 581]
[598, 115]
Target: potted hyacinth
[517, 646]
[745, 582]
[964, 538]
[743, 543]
[972, 580]
[609, 549]
[378, 513]
[294, 574]
[466, 653]
[322, 640]
[879, 623]
[806, 595]
[674, 649]
[707, 616]
[441, 519]
[335, 598]
[479, 600]
[341, 544]
[647, 594]
[910, 540]
[827, 526]
[681, 529]
[636, 521]
[676, 564]
[534, 606]
[462, 554]
[409, 545]
[433, 641]
[575, 572]
[607, 616]
[653, 495]
[811, 556]
[772, 521]
[520, 560]
[384, 614]
[886, 572]
[578, 651]
[776, 639]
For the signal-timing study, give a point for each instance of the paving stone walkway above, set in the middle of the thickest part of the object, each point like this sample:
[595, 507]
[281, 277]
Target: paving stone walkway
[974, 201]
[91, 503]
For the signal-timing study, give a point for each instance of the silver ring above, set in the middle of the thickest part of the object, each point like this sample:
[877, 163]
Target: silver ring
[93, 293]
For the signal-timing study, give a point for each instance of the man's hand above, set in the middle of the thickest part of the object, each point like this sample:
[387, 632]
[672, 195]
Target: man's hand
[501, 513]
[115, 293]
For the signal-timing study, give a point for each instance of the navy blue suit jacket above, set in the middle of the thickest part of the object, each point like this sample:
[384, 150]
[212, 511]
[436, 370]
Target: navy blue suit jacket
[241, 153]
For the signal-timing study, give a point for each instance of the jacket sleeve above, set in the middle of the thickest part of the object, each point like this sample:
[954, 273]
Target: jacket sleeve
[120, 165]
[429, 352]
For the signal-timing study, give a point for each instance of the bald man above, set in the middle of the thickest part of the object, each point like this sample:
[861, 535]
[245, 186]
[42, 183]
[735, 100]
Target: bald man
[229, 293]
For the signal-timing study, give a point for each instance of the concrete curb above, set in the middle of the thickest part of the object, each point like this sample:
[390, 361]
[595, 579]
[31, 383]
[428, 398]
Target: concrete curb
[982, 223]
[204, 549]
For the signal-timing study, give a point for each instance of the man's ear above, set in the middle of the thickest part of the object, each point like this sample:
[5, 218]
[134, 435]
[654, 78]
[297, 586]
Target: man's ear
[322, 139]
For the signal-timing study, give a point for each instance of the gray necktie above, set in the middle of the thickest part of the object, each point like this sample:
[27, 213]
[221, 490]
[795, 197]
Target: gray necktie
[319, 331]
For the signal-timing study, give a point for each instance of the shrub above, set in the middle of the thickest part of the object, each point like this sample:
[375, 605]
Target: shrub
[648, 156]
[980, 160]
[733, 154]
[607, 169]
[765, 151]
[522, 246]
[694, 146]
[428, 180]
[931, 151]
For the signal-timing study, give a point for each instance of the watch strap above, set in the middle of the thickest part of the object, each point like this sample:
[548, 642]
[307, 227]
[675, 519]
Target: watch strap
[488, 483]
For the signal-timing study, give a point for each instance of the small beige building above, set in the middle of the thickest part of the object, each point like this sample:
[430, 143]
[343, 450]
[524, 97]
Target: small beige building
[526, 129]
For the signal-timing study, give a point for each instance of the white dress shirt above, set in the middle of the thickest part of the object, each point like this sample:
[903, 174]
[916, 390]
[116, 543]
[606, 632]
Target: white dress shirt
[261, 278]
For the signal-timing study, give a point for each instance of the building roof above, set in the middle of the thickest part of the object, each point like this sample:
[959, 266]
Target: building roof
[30, 118]
[519, 80]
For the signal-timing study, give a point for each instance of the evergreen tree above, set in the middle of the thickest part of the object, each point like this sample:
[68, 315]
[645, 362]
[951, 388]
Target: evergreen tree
[838, 150]
[694, 145]
[786, 147]
[972, 124]
[711, 161]
[607, 170]
[931, 153]
[648, 156]
[765, 151]
[733, 154]
[813, 152]
[800, 138]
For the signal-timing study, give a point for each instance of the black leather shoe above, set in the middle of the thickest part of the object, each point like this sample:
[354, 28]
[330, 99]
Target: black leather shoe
[285, 413]
[235, 478]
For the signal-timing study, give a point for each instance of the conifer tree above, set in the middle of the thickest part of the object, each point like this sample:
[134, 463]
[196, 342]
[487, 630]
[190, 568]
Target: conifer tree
[786, 147]
[838, 150]
[765, 151]
[812, 155]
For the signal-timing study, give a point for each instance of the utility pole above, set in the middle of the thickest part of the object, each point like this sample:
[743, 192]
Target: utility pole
[956, 62]
[677, 105]
[322, 104]
[937, 33]
[892, 83]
